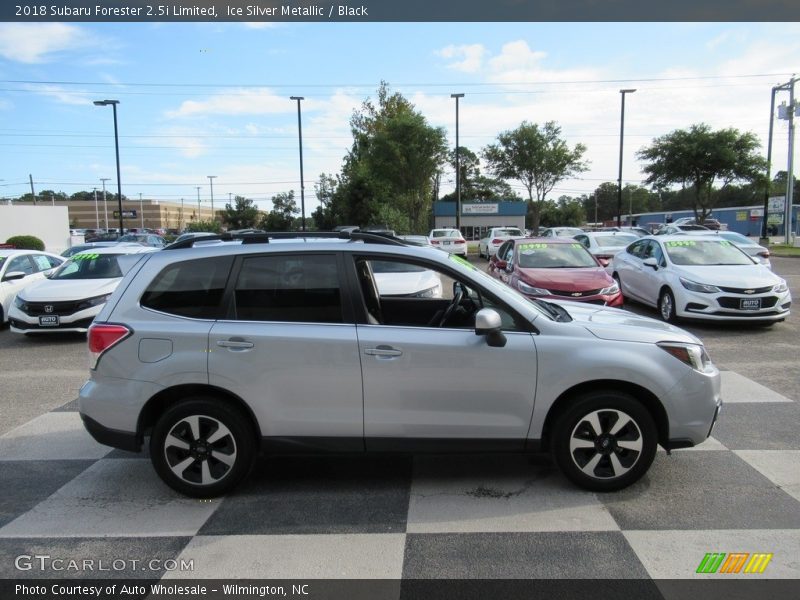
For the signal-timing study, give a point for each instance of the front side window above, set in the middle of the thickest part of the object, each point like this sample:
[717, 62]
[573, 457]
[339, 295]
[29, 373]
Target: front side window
[191, 288]
[290, 288]
[20, 264]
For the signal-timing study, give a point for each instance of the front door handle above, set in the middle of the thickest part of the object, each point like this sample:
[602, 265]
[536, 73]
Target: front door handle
[235, 344]
[383, 352]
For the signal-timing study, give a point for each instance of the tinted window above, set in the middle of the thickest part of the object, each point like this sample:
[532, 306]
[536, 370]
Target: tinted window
[90, 265]
[192, 288]
[289, 288]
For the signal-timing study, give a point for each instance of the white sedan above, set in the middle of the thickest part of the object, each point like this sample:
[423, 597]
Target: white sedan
[603, 245]
[18, 270]
[70, 298]
[494, 238]
[449, 240]
[700, 277]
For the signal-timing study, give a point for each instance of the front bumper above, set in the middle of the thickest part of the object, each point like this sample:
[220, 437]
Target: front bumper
[725, 306]
[79, 321]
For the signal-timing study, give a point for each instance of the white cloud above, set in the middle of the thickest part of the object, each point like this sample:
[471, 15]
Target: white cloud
[259, 101]
[471, 56]
[38, 43]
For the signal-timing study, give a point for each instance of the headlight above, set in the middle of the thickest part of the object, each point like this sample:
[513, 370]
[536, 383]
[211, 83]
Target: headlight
[778, 289]
[699, 287]
[532, 291]
[692, 355]
[96, 301]
[429, 293]
[612, 289]
[20, 303]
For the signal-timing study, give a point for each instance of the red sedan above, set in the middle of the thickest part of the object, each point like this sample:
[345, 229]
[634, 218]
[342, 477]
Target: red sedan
[560, 269]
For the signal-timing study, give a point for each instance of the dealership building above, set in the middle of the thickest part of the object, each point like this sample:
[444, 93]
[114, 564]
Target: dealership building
[150, 214]
[478, 217]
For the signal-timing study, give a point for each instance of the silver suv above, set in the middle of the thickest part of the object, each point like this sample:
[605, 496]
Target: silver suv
[222, 350]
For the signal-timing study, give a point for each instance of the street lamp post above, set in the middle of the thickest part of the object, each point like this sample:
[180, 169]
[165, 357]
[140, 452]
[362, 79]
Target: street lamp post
[105, 204]
[113, 104]
[458, 168]
[199, 216]
[141, 209]
[211, 182]
[302, 181]
[621, 135]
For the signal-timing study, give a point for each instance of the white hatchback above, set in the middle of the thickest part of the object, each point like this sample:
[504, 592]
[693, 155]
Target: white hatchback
[70, 298]
[700, 277]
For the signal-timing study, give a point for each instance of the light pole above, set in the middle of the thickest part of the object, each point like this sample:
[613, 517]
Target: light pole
[211, 183]
[96, 214]
[141, 209]
[458, 168]
[105, 204]
[302, 184]
[199, 216]
[621, 135]
[180, 221]
[113, 104]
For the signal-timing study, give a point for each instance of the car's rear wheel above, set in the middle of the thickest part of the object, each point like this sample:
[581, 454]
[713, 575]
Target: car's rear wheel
[201, 447]
[604, 441]
[666, 305]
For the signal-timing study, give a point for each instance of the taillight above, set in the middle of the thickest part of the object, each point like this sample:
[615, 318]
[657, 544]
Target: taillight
[435, 242]
[497, 241]
[102, 337]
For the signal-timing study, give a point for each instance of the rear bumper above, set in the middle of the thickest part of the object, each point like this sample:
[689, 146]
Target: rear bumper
[124, 440]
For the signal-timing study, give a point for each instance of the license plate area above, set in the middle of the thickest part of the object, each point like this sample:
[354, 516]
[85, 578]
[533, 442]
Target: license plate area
[750, 304]
[48, 321]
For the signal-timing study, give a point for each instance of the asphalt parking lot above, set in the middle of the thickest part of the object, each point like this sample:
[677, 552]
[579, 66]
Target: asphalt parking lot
[401, 517]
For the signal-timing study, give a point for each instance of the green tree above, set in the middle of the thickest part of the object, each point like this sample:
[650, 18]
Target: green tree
[395, 159]
[698, 158]
[474, 185]
[538, 158]
[325, 190]
[243, 214]
[204, 226]
[282, 215]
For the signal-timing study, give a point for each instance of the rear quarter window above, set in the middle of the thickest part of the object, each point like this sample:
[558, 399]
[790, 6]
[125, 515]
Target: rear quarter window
[190, 288]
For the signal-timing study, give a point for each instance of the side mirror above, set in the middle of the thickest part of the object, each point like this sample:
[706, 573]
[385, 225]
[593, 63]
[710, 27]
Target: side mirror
[651, 262]
[488, 323]
[13, 276]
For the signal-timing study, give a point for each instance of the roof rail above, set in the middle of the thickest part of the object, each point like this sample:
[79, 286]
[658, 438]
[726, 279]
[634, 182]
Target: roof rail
[264, 238]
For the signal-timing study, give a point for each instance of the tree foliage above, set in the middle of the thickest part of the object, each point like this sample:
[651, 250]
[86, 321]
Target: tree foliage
[243, 214]
[282, 215]
[204, 226]
[394, 160]
[474, 185]
[700, 157]
[536, 157]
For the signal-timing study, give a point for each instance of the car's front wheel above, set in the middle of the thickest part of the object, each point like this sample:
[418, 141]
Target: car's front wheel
[604, 441]
[202, 447]
[666, 306]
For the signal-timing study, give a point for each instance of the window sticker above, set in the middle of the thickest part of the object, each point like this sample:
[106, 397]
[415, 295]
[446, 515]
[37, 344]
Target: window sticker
[85, 257]
[680, 243]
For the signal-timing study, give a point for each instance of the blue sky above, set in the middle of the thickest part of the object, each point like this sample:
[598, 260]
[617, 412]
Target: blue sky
[199, 99]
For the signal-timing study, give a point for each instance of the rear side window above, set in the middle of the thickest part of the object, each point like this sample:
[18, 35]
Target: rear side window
[289, 288]
[191, 288]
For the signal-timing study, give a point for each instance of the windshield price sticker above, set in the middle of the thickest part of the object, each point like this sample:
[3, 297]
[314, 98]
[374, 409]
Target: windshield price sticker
[85, 256]
[524, 247]
[681, 243]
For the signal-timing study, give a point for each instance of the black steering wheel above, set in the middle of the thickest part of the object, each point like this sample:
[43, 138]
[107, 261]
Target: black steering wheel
[458, 296]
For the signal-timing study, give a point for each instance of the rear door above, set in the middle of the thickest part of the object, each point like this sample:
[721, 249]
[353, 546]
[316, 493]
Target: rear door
[290, 352]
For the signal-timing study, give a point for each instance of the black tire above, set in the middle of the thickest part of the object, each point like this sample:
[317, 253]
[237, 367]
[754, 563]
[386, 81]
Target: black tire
[576, 445]
[223, 462]
[666, 305]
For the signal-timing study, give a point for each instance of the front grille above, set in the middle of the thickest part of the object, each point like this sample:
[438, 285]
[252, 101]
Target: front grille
[35, 309]
[753, 291]
[574, 294]
[734, 303]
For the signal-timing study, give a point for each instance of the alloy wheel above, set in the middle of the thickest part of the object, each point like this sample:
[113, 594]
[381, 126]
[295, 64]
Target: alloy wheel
[606, 444]
[200, 450]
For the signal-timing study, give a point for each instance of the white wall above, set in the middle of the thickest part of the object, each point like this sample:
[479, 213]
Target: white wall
[49, 223]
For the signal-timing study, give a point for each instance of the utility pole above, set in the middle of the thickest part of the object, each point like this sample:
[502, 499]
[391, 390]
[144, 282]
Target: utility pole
[96, 214]
[199, 217]
[458, 169]
[211, 182]
[787, 218]
[621, 136]
[180, 221]
[141, 208]
[302, 181]
[33, 194]
[105, 203]
[764, 241]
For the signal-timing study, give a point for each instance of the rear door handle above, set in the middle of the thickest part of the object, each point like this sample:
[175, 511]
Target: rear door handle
[235, 344]
[383, 352]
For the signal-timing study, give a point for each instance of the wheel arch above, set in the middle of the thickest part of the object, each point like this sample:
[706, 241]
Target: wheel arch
[649, 400]
[163, 400]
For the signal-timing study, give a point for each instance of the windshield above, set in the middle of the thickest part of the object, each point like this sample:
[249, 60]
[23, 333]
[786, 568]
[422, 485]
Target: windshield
[542, 255]
[705, 253]
[88, 265]
[507, 231]
[610, 241]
